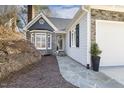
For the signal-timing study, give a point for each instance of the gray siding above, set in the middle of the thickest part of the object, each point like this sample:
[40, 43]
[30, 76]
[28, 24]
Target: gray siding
[38, 26]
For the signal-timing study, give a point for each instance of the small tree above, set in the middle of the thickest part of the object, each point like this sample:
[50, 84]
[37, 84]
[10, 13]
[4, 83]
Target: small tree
[95, 51]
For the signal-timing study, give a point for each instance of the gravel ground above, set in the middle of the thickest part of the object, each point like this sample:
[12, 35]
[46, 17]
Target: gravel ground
[44, 74]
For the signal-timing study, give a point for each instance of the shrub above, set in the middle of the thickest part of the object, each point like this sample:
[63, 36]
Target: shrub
[95, 51]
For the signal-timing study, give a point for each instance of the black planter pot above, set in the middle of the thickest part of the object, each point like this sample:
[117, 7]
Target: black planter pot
[95, 63]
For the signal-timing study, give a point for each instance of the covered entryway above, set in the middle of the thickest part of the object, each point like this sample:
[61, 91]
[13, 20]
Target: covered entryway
[110, 38]
[60, 44]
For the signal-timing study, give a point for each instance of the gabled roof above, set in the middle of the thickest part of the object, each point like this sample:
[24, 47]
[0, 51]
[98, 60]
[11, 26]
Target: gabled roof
[37, 18]
[60, 23]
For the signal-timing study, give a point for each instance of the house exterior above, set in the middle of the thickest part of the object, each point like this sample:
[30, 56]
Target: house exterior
[73, 37]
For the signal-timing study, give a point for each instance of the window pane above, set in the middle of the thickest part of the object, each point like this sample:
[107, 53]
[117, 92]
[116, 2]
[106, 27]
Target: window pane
[38, 44]
[77, 35]
[61, 45]
[70, 38]
[32, 38]
[49, 41]
[43, 40]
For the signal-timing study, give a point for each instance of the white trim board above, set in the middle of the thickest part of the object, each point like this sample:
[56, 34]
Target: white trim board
[110, 21]
[116, 8]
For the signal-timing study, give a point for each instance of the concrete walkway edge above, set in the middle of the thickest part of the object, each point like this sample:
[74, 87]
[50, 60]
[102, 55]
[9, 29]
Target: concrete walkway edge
[81, 77]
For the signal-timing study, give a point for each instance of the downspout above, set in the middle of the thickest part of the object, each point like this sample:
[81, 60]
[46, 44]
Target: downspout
[88, 37]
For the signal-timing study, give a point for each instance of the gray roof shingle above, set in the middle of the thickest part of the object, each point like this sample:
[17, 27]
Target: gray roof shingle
[60, 23]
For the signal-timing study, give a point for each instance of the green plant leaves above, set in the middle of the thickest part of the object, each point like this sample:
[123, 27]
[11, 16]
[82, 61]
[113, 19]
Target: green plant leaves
[95, 51]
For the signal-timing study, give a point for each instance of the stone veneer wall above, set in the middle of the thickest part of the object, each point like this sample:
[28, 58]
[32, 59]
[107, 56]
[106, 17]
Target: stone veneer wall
[98, 14]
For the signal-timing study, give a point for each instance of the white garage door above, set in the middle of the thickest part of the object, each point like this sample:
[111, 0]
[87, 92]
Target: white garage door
[110, 38]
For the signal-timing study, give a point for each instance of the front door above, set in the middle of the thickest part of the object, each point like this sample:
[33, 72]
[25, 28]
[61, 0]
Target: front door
[60, 42]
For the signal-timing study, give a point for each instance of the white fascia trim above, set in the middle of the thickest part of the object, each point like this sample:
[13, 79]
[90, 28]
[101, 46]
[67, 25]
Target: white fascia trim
[36, 18]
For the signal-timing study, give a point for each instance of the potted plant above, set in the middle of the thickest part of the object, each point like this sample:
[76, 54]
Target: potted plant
[95, 58]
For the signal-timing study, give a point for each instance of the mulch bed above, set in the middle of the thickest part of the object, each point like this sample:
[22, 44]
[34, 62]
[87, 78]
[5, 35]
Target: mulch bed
[44, 74]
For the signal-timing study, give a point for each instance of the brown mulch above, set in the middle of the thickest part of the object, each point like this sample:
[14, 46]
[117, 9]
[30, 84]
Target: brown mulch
[44, 74]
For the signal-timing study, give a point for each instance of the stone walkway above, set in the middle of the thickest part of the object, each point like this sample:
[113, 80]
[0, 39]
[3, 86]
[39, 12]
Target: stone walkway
[44, 74]
[79, 76]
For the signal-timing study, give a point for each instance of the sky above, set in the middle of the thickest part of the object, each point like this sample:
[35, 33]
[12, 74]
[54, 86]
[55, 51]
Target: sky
[63, 11]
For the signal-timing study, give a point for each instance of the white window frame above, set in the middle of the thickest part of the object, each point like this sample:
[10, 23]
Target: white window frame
[40, 37]
[46, 40]
[33, 36]
[50, 41]
[73, 38]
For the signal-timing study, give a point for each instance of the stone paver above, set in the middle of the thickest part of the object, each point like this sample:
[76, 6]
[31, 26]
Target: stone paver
[44, 74]
[114, 72]
[79, 76]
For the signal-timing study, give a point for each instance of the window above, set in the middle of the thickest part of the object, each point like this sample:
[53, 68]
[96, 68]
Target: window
[32, 38]
[77, 35]
[40, 42]
[43, 41]
[49, 40]
[70, 38]
[41, 21]
[73, 38]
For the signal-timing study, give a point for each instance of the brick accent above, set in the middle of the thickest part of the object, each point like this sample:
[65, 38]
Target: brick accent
[98, 14]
